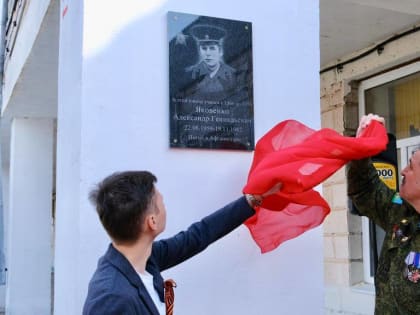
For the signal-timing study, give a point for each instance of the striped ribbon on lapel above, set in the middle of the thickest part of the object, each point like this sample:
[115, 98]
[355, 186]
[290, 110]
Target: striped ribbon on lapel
[169, 296]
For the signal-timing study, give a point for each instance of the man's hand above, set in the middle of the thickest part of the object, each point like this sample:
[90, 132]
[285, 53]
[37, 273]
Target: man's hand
[365, 121]
[256, 200]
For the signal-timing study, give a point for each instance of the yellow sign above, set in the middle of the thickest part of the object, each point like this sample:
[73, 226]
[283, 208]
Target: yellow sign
[387, 173]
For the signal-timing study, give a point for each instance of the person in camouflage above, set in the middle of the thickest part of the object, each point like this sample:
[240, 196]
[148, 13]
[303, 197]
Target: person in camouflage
[397, 278]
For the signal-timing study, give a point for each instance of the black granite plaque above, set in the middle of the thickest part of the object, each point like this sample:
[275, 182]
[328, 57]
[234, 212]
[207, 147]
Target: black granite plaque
[210, 82]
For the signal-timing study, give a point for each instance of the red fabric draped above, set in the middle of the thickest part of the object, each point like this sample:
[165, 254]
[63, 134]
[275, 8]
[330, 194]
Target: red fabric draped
[300, 158]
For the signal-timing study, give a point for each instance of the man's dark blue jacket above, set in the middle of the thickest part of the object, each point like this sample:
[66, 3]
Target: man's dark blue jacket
[116, 288]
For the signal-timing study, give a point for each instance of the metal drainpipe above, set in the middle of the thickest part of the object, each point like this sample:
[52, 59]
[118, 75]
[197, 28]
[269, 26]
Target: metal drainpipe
[4, 13]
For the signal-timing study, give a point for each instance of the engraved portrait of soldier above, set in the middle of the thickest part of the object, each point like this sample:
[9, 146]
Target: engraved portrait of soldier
[212, 76]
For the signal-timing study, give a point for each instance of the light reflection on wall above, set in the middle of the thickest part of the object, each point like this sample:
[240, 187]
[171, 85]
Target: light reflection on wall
[111, 20]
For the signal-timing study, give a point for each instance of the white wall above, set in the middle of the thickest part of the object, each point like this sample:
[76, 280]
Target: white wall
[124, 124]
[68, 263]
[29, 253]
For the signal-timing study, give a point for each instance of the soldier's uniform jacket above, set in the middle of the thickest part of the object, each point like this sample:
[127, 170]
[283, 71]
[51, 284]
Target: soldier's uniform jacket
[224, 82]
[397, 279]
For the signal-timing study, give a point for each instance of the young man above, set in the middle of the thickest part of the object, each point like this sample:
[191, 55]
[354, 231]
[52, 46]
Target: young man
[397, 279]
[128, 277]
[212, 76]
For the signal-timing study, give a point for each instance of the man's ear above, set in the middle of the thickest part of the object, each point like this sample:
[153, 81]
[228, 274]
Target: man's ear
[151, 222]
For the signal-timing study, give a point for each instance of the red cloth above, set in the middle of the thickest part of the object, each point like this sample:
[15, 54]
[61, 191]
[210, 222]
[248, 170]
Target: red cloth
[300, 158]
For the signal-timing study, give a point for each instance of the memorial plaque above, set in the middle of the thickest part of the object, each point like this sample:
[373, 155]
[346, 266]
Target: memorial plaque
[210, 82]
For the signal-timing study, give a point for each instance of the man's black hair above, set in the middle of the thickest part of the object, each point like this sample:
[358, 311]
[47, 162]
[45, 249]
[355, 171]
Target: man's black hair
[121, 201]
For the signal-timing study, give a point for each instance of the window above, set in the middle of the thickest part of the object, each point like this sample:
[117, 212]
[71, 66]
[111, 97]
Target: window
[14, 18]
[394, 95]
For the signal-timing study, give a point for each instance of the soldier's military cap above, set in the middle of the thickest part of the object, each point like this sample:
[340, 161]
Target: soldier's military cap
[204, 33]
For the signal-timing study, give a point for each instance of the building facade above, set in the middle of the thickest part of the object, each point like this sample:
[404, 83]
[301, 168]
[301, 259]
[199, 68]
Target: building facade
[85, 93]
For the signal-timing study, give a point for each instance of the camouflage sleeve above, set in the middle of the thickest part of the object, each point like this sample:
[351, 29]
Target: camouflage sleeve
[368, 193]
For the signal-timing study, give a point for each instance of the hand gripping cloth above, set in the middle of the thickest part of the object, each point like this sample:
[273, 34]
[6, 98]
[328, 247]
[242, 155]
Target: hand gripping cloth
[300, 158]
